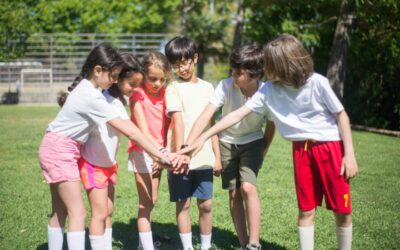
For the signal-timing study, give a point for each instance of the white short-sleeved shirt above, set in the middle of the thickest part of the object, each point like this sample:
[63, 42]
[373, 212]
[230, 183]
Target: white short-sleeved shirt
[191, 99]
[229, 96]
[102, 145]
[84, 108]
[301, 113]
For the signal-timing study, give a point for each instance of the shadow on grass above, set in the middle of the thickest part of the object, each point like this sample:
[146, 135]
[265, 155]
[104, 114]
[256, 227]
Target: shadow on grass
[166, 237]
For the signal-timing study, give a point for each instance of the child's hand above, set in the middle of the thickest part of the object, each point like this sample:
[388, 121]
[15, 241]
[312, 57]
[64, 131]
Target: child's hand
[156, 170]
[218, 168]
[349, 166]
[180, 160]
[194, 148]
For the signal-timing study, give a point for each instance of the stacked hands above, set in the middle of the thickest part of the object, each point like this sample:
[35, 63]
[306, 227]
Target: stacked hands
[178, 162]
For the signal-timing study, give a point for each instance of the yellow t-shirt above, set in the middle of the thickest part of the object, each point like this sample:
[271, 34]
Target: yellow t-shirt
[191, 99]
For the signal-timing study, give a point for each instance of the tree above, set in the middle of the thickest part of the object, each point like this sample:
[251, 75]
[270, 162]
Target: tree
[341, 41]
[15, 28]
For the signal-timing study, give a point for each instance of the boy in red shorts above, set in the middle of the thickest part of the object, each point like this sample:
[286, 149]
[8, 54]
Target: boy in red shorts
[306, 111]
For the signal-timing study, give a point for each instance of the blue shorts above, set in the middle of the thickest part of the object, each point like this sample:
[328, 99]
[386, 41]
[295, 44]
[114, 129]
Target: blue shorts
[198, 183]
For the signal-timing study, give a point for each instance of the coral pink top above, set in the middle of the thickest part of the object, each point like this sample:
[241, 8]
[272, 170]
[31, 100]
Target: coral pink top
[154, 113]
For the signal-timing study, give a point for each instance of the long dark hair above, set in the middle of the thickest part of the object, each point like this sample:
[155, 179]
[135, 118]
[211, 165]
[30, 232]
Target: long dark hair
[131, 65]
[103, 55]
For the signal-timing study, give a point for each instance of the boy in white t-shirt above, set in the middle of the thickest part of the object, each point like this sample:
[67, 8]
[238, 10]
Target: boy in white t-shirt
[243, 145]
[185, 100]
[306, 111]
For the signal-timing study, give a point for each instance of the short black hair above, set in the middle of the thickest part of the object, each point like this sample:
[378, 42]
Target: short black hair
[249, 57]
[180, 47]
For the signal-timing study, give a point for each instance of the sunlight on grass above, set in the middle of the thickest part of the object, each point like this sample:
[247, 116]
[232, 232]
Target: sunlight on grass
[25, 200]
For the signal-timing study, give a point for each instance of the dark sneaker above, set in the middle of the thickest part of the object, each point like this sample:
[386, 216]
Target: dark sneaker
[252, 247]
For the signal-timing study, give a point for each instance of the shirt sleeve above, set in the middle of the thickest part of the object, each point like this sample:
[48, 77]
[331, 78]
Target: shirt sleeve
[172, 99]
[329, 97]
[100, 111]
[257, 102]
[220, 93]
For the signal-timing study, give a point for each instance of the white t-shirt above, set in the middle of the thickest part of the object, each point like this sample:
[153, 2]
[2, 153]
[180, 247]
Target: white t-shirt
[191, 99]
[301, 113]
[102, 145]
[229, 96]
[84, 108]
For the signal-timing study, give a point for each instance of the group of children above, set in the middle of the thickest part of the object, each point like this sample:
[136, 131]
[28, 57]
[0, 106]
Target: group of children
[170, 109]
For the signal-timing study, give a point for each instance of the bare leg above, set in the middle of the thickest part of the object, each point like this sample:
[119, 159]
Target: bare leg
[71, 196]
[253, 211]
[183, 216]
[205, 216]
[98, 199]
[238, 215]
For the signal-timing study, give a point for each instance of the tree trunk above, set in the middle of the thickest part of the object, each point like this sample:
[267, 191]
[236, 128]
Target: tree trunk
[201, 60]
[341, 41]
[237, 38]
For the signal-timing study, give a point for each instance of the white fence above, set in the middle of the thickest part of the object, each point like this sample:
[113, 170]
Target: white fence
[56, 59]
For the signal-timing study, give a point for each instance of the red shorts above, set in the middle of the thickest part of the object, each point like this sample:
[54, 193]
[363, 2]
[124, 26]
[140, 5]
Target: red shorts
[317, 174]
[96, 177]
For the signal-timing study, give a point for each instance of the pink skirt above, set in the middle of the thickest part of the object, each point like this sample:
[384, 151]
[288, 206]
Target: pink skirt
[58, 157]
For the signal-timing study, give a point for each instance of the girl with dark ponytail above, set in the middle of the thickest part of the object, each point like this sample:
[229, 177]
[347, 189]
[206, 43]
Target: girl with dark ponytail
[84, 109]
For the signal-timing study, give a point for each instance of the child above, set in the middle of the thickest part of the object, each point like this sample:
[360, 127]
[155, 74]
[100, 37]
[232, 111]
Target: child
[148, 113]
[59, 151]
[305, 110]
[98, 166]
[243, 146]
[185, 99]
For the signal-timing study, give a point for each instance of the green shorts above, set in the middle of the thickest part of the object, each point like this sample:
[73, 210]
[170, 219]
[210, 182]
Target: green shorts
[241, 163]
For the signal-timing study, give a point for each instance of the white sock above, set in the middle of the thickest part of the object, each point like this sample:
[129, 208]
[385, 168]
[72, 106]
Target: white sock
[344, 237]
[55, 236]
[205, 241]
[186, 241]
[306, 237]
[108, 238]
[76, 240]
[146, 240]
[97, 242]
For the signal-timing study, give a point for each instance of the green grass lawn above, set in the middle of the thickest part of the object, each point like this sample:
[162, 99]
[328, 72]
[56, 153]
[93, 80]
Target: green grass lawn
[25, 198]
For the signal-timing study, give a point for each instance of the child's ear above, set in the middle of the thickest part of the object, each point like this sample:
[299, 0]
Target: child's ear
[97, 70]
[195, 58]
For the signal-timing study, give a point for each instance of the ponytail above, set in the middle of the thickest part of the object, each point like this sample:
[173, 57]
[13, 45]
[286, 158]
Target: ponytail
[103, 55]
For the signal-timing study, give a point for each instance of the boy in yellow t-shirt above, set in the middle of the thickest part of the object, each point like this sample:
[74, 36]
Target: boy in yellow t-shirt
[185, 100]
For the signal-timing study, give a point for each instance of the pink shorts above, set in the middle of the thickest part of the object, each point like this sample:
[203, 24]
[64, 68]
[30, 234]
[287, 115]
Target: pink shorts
[317, 174]
[58, 157]
[96, 177]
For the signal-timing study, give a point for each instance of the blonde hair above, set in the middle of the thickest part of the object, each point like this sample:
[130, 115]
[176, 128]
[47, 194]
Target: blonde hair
[287, 61]
[157, 59]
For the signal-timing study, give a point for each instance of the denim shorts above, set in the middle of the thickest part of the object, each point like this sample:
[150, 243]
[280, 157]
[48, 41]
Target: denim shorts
[197, 183]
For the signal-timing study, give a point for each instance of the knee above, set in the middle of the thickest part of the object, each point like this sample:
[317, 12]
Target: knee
[306, 218]
[205, 207]
[146, 206]
[78, 214]
[247, 189]
[343, 220]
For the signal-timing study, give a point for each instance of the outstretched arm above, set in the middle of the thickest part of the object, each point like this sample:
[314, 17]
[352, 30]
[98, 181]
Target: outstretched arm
[201, 123]
[229, 120]
[129, 129]
[349, 164]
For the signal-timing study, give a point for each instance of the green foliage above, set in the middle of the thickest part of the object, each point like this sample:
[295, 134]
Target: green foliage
[98, 16]
[25, 197]
[15, 27]
[373, 66]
